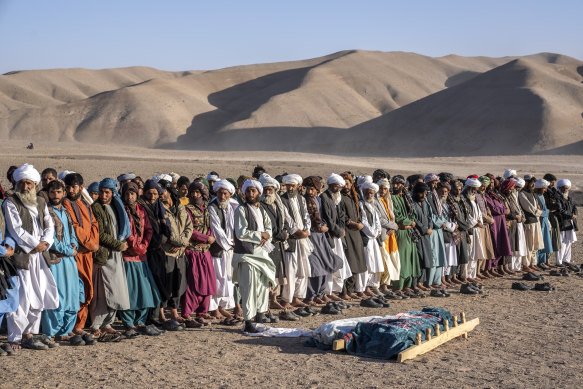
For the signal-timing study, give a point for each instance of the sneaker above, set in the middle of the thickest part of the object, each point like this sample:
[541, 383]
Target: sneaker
[520, 286]
[33, 344]
[287, 315]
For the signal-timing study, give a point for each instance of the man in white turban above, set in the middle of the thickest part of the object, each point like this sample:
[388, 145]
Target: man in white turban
[372, 230]
[222, 215]
[509, 173]
[28, 221]
[333, 216]
[252, 267]
[567, 222]
[532, 208]
[297, 264]
[476, 225]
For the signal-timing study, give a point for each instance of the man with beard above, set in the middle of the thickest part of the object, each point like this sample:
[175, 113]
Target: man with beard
[438, 224]
[484, 265]
[323, 261]
[498, 229]
[372, 230]
[142, 289]
[29, 223]
[552, 202]
[450, 228]
[279, 228]
[181, 229]
[424, 226]
[222, 218]
[567, 222]
[60, 322]
[476, 225]
[540, 187]
[297, 263]
[404, 217]
[388, 238]
[252, 267]
[514, 222]
[458, 210]
[151, 203]
[333, 216]
[87, 233]
[354, 241]
[110, 286]
[529, 202]
[201, 280]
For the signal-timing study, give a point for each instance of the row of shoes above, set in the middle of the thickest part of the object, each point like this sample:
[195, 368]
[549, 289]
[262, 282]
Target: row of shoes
[530, 276]
[471, 288]
[439, 293]
[266, 318]
[574, 268]
[375, 302]
[544, 287]
[38, 342]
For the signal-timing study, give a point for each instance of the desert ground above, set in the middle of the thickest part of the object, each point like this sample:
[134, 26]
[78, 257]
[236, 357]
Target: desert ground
[525, 339]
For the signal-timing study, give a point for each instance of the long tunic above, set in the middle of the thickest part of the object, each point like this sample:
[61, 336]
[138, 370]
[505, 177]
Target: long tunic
[109, 280]
[142, 288]
[423, 222]
[477, 248]
[333, 216]
[407, 249]
[354, 245]
[500, 238]
[280, 229]
[464, 226]
[553, 205]
[372, 228]
[392, 248]
[487, 219]
[436, 237]
[254, 271]
[323, 260]
[224, 238]
[532, 229]
[298, 220]
[545, 227]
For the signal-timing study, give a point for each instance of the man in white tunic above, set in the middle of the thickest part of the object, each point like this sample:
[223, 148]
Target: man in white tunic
[28, 221]
[297, 263]
[222, 215]
[476, 251]
[372, 230]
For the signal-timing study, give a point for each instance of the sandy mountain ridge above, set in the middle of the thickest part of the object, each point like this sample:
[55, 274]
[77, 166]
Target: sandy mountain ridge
[357, 102]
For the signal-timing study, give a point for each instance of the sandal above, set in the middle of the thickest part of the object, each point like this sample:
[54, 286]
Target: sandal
[108, 337]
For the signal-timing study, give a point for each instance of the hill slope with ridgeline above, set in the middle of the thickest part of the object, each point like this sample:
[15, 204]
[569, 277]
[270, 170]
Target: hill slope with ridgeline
[353, 102]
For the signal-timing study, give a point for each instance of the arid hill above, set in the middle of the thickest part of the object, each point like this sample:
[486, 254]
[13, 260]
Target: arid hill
[355, 102]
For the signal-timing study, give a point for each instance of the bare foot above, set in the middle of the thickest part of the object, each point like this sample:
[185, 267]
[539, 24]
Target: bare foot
[361, 295]
[225, 313]
[275, 305]
[319, 301]
[215, 315]
[79, 331]
[62, 338]
[15, 345]
[333, 297]
[345, 297]
[296, 302]
[354, 296]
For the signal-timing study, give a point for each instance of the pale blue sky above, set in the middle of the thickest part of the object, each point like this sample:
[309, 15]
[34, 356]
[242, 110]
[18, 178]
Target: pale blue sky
[187, 35]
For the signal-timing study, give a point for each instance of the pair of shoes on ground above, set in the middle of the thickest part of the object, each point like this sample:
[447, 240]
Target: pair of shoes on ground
[173, 325]
[471, 288]
[38, 342]
[82, 340]
[390, 295]
[334, 307]
[530, 276]
[266, 318]
[561, 272]
[375, 302]
[544, 287]
[439, 293]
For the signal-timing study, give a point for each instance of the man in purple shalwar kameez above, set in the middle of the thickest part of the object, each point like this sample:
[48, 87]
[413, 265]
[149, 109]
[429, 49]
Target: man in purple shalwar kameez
[200, 274]
[500, 239]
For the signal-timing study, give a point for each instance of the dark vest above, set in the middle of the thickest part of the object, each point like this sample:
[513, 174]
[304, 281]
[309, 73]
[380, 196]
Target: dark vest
[246, 247]
[292, 242]
[21, 258]
[216, 250]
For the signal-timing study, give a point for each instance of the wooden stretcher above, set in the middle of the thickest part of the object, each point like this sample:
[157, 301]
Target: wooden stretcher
[458, 329]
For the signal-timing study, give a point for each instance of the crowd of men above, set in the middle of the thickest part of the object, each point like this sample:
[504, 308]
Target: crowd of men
[170, 253]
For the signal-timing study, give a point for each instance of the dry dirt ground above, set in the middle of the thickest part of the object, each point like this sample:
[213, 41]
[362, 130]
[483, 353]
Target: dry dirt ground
[525, 339]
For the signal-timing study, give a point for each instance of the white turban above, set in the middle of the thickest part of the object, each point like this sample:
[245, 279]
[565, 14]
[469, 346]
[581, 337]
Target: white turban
[292, 179]
[384, 182]
[508, 173]
[519, 182]
[175, 177]
[362, 179]
[212, 177]
[369, 185]
[165, 177]
[564, 182]
[542, 183]
[335, 179]
[473, 182]
[26, 172]
[252, 183]
[266, 180]
[224, 184]
[61, 176]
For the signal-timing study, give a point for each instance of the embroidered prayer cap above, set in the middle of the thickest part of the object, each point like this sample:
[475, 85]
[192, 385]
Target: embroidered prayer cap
[312, 181]
[431, 177]
[485, 180]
